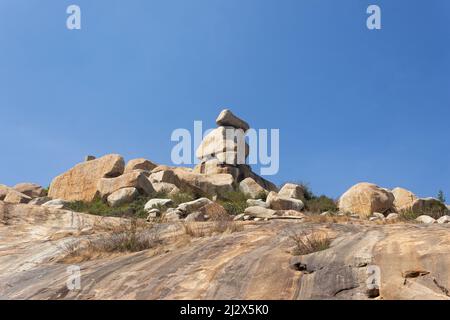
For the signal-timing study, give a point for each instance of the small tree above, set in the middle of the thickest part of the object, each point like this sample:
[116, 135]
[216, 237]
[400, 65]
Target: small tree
[441, 196]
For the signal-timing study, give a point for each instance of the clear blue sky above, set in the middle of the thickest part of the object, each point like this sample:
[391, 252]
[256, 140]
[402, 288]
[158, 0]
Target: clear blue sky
[351, 104]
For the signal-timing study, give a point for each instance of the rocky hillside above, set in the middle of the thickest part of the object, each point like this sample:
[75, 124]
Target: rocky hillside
[140, 230]
[255, 262]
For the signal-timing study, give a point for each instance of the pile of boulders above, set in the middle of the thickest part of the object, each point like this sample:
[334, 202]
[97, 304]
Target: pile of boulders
[222, 170]
[23, 193]
[202, 209]
[224, 151]
[372, 202]
[110, 179]
[286, 204]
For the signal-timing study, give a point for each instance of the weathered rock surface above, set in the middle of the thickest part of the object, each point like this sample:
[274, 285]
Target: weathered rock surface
[14, 196]
[4, 191]
[214, 211]
[250, 187]
[227, 118]
[291, 190]
[139, 164]
[81, 182]
[443, 219]
[195, 217]
[134, 179]
[276, 202]
[195, 205]
[225, 144]
[366, 198]
[393, 216]
[30, 189]
[154, 203]
[56, 204]
[122, 196]
[255, 263]
[201, 184]
[168, 188]
[426, 219]
[259, 212]
[257, 203]
[39, 201]
[403, 199]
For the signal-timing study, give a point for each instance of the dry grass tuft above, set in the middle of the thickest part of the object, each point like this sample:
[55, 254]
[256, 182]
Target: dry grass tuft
[200, 230]
[131, 236]
[310, 242]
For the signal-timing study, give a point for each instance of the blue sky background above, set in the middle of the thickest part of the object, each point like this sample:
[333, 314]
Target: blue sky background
[351, 104]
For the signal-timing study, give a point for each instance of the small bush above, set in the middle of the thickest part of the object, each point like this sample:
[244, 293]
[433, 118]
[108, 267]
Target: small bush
[308, 243]
[321, 204]
[235, 202]
[262, 195]
[182, 197]
[409, 215]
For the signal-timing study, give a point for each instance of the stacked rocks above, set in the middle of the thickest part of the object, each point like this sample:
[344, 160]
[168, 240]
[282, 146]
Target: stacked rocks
[224, 149]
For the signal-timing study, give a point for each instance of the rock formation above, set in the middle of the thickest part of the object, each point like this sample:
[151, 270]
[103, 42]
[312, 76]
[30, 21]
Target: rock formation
[224, 150]
[81, 182]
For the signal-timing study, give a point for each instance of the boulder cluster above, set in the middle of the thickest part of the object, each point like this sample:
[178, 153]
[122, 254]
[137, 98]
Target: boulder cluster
[221, 171]
[368, 200]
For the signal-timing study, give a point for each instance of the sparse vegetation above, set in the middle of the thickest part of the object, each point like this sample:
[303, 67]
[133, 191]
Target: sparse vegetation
[321, 204]
[182, 197]
[309, 242]
[409, 215]
[130, 236]
[316, 204]
[134, 209]
[100, 208]
[235, 202]
[199, 230]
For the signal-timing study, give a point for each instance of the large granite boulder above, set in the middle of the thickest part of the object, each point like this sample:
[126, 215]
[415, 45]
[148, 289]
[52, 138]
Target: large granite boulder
[81, 182]
[403, 199]
[365, 198]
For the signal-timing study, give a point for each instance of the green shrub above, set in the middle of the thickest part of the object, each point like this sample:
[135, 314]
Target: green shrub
[409, 215]
[235, 202]
[182, 197]
[97, 207]
[321, 204]
[262, 195]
